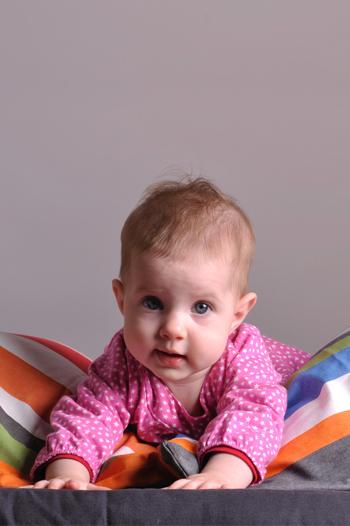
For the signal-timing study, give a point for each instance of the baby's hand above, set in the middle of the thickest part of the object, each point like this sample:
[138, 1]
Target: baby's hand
[222, 471]
[65, 483]
[66, 473]
[203, 481]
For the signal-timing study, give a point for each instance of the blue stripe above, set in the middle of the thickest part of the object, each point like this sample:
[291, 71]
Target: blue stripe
[308, 384]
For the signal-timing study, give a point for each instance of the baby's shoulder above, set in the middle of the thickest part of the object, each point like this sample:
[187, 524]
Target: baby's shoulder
[116, 366]
[115, 347]
[245, 335]
[114, 355]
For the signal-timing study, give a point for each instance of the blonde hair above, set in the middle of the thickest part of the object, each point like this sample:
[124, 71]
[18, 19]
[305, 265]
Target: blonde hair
[176, 216]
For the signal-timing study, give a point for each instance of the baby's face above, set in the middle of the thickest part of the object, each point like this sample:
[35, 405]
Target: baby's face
[178, 313]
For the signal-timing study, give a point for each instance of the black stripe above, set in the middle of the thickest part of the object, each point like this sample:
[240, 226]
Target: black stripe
[19, 433]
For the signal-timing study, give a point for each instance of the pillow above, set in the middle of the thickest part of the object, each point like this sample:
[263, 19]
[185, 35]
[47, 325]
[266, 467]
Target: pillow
[316, 438]
[34, 374]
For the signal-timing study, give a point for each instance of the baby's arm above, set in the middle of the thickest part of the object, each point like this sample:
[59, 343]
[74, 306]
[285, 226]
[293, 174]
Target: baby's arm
[222, 471]
[249, 422]
[87, 425]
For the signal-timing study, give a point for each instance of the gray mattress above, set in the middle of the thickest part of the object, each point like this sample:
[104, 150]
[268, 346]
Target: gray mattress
[152, 507]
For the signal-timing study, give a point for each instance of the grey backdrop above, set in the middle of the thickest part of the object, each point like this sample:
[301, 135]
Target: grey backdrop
[99, 98]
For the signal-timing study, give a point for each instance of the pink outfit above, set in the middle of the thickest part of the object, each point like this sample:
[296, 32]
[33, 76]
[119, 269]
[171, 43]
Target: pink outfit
[242, 399]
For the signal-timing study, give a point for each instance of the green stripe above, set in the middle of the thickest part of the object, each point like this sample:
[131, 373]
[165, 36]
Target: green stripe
[340, 345]
[14, 453]
[320, 356]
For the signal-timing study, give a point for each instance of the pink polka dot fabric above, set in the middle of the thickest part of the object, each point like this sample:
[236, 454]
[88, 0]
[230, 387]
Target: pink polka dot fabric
[242, 398]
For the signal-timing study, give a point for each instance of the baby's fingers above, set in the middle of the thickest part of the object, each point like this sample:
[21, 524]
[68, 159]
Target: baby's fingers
[77, 485]
[71, 484]
[98, 488]
[48, 484]
[178, 484]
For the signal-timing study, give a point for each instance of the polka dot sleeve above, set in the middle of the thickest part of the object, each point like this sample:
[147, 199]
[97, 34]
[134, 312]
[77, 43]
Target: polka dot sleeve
[251, 406]
[88, 425]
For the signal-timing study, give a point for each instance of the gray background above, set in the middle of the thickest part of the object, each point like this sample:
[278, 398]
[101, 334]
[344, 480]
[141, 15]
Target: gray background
[99, 99]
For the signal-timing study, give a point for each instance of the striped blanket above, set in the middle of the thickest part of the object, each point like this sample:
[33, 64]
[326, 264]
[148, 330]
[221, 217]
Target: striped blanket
[35, 372]
[317, 423]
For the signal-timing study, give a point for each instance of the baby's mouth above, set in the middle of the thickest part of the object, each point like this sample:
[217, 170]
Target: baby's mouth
[169, 358]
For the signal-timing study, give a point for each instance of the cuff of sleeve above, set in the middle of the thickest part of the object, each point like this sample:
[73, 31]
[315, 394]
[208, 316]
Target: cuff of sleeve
[239, 454]
[39, 473]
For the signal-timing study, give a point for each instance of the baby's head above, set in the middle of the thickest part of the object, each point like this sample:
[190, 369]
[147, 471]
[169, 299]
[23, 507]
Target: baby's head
[176, 218]
[186, 253]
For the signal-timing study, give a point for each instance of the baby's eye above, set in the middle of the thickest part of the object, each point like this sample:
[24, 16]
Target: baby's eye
[201, 307]
[152, 303]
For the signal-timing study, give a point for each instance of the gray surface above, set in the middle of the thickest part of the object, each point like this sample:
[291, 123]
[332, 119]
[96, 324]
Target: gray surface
[174, 508]
[97, 99]
[328, 468]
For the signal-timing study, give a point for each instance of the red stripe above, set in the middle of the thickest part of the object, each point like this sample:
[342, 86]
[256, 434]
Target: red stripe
[239, 454]
[71, 354]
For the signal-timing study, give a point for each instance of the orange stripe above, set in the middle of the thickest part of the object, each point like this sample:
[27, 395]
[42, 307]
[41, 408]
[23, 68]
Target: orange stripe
[28, 384]
[189, 445]
[141, 469]
[326, 432]
[11, 477]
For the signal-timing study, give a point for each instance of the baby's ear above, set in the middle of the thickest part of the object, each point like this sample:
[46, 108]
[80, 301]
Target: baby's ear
[118, 289]
[243, 306]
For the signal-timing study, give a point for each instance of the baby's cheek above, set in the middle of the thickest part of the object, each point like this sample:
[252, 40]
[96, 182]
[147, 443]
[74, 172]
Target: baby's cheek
[213, 345]
[137, 334]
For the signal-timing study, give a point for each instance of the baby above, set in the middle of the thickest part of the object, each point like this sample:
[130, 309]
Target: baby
[184, 361]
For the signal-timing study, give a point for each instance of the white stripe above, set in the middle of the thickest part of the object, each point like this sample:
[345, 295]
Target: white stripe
[334, 398]
[124, 450]
[23, 413]
[44, 359]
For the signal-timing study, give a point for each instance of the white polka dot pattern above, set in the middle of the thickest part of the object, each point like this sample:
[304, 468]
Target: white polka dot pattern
[242, 399]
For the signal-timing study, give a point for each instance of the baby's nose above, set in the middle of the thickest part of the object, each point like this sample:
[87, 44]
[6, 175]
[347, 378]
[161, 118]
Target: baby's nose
[173, 328]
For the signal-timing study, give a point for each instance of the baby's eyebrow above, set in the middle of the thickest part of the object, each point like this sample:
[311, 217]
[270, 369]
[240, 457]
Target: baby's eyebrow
[193, 296]
[147, 290]
[207, 297]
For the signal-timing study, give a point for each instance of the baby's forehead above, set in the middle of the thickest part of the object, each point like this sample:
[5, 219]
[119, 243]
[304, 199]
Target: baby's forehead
[192, 270]
[193, 255]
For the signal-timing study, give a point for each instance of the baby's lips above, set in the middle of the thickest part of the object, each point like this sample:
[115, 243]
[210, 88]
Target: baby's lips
[169, 359]
[170, 352]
